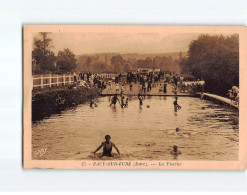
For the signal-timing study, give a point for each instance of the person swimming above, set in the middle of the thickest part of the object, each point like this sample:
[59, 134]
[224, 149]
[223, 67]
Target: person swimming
[177, 129]
[92, 102]
[122, 101]
[107, 147]
[175, 151]
[175, 103]
[114, 100]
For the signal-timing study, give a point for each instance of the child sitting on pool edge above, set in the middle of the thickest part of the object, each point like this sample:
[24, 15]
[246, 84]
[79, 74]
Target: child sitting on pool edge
[107, 147]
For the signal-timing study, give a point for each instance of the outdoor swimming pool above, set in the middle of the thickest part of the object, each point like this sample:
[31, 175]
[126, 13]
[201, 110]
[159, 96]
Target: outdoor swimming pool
[208, 131]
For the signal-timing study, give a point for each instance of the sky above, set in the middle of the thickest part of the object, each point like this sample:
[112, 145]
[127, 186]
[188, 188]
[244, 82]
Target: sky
[90, 43]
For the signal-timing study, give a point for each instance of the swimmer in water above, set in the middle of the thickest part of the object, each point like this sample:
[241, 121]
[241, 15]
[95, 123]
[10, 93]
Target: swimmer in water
[126, 102]
[114, 100]
[122, 101]
[107, 147]
[175, 151]
[140, 99]
[184, 134]
[175, 103]
[92, 102]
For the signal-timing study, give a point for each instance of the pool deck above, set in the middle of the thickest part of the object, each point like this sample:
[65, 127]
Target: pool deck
[155, 91]
[222, 99]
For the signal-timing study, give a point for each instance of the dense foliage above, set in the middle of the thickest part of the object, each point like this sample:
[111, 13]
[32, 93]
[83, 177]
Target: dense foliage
[44, 102]
[44, 60]
[66, 61]
[216, 60]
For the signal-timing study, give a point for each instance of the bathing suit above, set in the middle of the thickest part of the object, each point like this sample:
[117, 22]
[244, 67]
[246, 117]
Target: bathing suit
[107, 148]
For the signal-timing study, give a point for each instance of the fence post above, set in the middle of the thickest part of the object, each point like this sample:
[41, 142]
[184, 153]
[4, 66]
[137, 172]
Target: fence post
[64, 80]
[41, 81]
[50, 79]
[57, 80]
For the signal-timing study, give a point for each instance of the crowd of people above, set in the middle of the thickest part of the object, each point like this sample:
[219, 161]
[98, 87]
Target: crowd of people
[146, 81]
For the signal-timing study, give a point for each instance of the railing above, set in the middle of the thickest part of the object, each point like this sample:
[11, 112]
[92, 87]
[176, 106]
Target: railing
[44, 81]
[108, 75]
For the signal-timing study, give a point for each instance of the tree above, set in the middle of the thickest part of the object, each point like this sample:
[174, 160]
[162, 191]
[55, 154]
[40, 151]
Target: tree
[184, 65]
[127, 67]
[43, 57]
[66, 61]
[99, 67]
[216, 60]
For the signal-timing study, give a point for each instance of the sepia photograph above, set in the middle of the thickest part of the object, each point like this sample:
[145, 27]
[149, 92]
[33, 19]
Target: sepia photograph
[148, 94]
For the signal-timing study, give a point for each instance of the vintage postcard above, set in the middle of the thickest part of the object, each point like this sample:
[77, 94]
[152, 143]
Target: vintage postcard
[134, 97]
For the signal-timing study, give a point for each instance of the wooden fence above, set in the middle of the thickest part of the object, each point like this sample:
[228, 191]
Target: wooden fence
[45, 81]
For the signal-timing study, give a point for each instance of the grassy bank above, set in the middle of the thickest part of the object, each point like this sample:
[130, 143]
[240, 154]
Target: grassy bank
[45, 103]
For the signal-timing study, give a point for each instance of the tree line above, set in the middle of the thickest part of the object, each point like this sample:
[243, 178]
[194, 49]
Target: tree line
[45, 61]
[119, 64]
[215, 59]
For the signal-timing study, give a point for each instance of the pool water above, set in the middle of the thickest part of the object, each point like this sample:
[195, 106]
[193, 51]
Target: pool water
[208, 131]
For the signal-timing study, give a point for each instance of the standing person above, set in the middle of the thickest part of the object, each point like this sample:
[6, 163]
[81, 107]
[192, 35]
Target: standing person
[131, 87]
[122, 88]
[165, 85]
[114, 100]
[110, 85]
[75, 77]
[175, 80]
[80, 76]
[126, 102]
[107, 147]
[149, 85]
[140, 99]
[122, 101]
[140, 88]
[144, 86]
[117, 87]
[175, 103]
[135, 78]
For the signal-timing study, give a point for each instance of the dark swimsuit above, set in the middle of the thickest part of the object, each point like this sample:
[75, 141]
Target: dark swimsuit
[107, 151]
